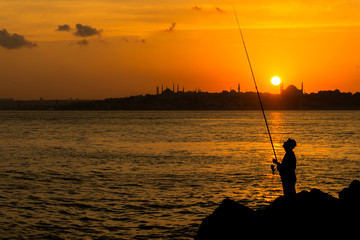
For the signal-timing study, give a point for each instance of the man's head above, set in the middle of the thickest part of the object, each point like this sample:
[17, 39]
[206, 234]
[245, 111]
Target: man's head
[290, 144]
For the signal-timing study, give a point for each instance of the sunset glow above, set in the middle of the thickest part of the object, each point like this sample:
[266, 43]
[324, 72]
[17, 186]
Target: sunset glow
[275, 80]
[99, 49]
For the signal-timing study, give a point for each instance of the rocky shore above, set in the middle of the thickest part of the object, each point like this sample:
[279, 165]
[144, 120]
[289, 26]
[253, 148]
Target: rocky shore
[311, 214]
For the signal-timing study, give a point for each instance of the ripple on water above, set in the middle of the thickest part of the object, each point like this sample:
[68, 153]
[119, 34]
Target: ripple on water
[143, 175]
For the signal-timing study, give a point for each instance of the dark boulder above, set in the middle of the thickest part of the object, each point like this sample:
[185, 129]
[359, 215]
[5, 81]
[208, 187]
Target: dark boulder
[314, 213]
[226, 221]
[351, 195]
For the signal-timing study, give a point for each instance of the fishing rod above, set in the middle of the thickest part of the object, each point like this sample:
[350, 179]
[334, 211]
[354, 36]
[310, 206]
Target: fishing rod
[257, 91]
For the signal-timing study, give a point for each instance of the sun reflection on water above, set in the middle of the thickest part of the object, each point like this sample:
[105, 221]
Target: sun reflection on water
[126, 173]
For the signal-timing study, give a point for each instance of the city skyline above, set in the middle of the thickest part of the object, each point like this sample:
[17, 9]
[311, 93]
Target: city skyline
[178, 88]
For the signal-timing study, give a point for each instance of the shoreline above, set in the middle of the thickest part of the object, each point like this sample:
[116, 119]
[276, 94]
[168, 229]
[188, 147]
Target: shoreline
[287, 100]
[174, 110]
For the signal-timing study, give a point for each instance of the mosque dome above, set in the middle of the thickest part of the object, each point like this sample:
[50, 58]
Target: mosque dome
[292, 90]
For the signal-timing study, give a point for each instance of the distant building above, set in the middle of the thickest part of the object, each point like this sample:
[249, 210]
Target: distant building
[292, 90]
[167, 91]
[7, 100]
[292, 97]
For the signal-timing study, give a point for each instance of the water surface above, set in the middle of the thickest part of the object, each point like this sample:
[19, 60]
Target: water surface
[148, 175]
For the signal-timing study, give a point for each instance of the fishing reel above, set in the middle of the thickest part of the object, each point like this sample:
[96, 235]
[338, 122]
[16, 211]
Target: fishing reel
[273, 169]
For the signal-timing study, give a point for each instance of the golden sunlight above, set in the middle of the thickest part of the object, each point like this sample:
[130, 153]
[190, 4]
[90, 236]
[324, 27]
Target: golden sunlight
[275, 80]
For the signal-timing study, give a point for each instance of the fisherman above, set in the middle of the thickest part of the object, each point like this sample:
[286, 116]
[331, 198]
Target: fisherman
[287, 169]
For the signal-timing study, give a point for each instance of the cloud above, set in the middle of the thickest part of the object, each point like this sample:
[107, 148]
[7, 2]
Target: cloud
[83, 42]
[86, 31]
[172, 27]
[219, 10]
[65, 28]
[133, 39]
[196, 8]
[13, 41]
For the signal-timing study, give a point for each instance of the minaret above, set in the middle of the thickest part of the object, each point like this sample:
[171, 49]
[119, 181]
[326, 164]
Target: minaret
[157, 90]
[178, 88]
[281, 87]
[173, 88]
[238, 87]
[301, 95]
[162, 88]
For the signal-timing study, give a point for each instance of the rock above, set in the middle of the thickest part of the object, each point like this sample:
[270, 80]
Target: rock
[225, 221]
[351, 195]
[313, 213]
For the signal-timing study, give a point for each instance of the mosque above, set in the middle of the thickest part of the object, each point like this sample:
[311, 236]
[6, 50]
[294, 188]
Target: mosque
[291, 90]
[168, 91]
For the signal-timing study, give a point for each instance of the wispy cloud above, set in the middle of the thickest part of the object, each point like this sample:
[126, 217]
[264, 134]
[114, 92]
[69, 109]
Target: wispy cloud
[80, 31]
[83, 42]
[133, 39]
[172, 27]
[219, 10]
[86, 31]
[65, 28]
[14, 41]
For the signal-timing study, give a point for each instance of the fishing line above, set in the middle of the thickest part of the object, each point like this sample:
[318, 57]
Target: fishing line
[257, 91]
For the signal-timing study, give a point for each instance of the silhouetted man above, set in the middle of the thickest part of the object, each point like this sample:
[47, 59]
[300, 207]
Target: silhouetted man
[287, 169]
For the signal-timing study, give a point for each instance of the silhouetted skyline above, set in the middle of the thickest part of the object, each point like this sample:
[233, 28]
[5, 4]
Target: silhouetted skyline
[290, 98]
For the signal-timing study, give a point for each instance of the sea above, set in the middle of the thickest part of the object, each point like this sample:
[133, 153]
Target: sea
[158, 174]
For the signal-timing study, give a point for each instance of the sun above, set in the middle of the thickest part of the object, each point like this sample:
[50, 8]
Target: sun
[275, 80]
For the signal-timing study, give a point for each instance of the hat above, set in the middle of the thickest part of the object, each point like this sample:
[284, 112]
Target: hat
[291, 143]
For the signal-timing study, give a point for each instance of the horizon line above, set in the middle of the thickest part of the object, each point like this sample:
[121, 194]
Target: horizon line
[196, 90]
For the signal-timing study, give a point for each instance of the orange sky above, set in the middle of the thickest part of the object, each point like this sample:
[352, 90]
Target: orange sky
[113, 48]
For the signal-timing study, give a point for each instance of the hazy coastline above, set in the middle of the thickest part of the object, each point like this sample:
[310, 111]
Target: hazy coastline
[289, 99]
